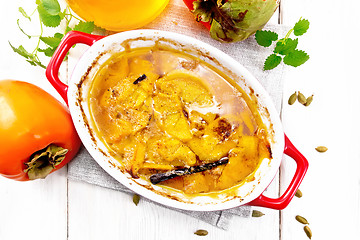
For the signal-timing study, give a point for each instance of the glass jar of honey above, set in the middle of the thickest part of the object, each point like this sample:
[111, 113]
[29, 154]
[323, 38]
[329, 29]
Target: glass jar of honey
[118, 15]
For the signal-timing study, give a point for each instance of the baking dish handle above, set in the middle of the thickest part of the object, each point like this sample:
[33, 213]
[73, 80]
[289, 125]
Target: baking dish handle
[282, 202]
[52, 70]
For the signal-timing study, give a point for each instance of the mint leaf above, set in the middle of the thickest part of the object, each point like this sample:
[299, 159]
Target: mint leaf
[48, 19]
[296, 58]
[29, 57]
[51, 41]
[286, 46]
[31, 62]
[59, 35]
[301, 27]
[21, 51]
[48, 51]
[35, 62]
[272, 62]
[86, 27]
[265, 38]
[52, 7]
[22, 11]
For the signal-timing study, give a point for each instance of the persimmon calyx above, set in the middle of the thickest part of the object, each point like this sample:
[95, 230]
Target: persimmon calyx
[44, 161]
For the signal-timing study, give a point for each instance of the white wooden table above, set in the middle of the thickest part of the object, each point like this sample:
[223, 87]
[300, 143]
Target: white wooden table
[59, 209]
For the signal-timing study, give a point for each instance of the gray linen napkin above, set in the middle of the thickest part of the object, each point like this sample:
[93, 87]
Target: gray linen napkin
[248, 53]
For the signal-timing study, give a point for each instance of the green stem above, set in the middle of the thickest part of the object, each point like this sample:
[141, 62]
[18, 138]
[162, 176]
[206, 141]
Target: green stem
[38, 43]
[33, 12]
[72, 15]
[288, 34]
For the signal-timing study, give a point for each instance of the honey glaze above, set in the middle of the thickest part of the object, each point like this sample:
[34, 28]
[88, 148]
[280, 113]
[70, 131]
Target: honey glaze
[159, 109]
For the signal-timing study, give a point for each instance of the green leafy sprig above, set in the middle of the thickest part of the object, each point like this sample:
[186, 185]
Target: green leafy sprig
[50, 15]
[285, 48]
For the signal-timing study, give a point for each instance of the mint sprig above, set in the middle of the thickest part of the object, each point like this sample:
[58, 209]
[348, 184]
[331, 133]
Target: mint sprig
[50, 15]
[285, 48]
[265, 38]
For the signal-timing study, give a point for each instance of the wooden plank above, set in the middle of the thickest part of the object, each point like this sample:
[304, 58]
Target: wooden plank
[331, 187]
[95, 213]
[34, 210]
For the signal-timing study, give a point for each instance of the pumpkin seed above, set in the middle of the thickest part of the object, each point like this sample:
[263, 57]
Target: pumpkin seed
[301, 219]
[257, 213]
[309, 100]
[321, 149]
[201, 232]
[292, 98]
[298, 193]
[301, 98]
[308, 231]
[136, 199]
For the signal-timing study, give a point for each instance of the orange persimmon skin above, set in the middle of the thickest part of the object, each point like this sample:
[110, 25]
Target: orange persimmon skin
[30, 120]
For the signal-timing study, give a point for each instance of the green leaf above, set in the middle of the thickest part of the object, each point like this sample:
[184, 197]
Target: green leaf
[48, 51]
[301, 27]
[38, 63]
[272, 62]
[18, 23]
[22, 11]
[35, 62]
[59, 35]
[52, 7]
[286, 46]
[86, 27]
[296, 58]
[29, 57]
[32, 62]
[51, 41]
[48, 19]
[21, 51]
[265, 38]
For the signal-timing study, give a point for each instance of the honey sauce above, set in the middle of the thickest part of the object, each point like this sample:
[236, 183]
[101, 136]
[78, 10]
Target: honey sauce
[158, 110]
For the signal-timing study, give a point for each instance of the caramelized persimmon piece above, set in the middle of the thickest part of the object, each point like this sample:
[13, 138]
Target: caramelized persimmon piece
[242, 162]
[177, 126]
[165, 150]
[188, 86]
[195, 183]
[209, 149]
[125, 123]
[139, 158]
[157, 166]
[177, 183]
[170, 117]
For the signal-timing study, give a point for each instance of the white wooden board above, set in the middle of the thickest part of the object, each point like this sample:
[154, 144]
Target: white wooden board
[56, 208]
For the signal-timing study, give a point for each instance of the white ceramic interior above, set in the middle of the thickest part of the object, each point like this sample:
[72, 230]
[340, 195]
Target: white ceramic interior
[100, 51]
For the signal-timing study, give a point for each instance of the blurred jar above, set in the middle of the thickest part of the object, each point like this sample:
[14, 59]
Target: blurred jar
[118, 15]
